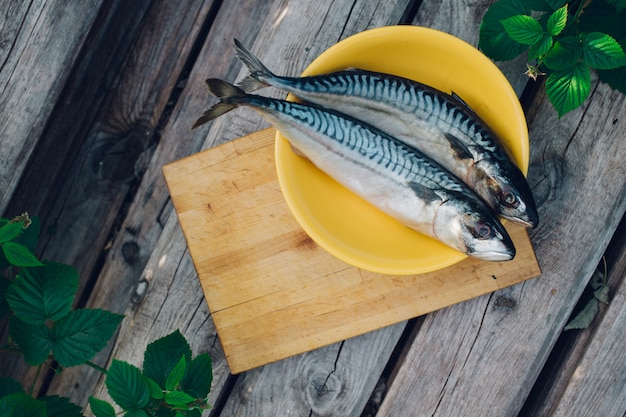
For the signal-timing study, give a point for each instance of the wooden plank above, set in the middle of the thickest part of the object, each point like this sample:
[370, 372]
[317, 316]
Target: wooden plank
[41, 41]
[82, 195]
[123, 276]
[508, 346]
[273, 292]
[598, 383]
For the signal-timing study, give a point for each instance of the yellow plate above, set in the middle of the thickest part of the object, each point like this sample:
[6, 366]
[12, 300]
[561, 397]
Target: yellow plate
[344, 224]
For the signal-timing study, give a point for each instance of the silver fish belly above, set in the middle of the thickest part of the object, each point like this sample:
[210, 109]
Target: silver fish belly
[384, 171]
[438, 124]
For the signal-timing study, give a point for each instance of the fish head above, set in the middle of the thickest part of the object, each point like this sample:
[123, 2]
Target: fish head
[505, 188]
[470, 227]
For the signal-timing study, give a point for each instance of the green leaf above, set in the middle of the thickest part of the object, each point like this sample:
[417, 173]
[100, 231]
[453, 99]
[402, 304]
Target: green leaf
[564, 54]
[585, 317]
[162, 355]
[101, 408]
[568, 89]
[199, 375]
[494, 40]
[178, 398]
[556, 4]
[21, 405]
[176, 375]
[9, 231]
[601, 51]
[599, 14]
[9, 386]
[540, 48]
[602, 294]
[33, 340]
[136, 413]
[61, 407]
[19, 255]
[127, 386]
[156, 392]
[43, 293]
[81, 334]
[557, 21]
[523, 29]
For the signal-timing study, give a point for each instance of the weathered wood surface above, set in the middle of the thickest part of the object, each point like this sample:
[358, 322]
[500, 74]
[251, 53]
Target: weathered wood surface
[481, 357]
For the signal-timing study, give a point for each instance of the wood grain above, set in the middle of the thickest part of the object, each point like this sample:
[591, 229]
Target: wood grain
[81, 193]
[40, 43]
[272, 291]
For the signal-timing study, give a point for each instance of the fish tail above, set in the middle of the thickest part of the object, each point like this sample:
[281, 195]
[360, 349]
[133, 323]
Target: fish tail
[226, 93]
[259, 73]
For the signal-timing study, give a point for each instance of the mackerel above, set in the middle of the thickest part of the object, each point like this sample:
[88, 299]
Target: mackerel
[389, 174]
[440, 125]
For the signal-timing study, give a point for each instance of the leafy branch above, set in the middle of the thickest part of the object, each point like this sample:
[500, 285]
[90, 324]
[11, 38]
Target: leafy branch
[37, 298]
[563, 41]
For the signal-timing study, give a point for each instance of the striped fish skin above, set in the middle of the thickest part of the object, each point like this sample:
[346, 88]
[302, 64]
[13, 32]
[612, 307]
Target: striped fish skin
[384, 171]
[440, 125]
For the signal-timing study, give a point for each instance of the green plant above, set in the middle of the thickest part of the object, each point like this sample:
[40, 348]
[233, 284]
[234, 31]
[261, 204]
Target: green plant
[37, 298]
[171, 384]
[563, 40]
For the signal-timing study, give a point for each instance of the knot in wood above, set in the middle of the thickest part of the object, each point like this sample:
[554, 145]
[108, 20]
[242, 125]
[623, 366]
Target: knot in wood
[130, 252]
[504, 303]
[323, 390]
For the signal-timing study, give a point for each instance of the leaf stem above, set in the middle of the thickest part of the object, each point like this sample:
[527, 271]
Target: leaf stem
[96, 367]
[32, 387]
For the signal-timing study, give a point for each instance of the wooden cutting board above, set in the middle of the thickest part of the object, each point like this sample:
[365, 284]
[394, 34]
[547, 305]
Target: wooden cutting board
[271, 290]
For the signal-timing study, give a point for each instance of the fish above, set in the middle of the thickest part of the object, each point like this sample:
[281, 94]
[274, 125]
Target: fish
[441, 125]
[389, 174]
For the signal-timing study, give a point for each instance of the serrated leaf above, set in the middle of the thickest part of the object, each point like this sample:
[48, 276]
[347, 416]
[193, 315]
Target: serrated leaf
[176, 374]
[162, 355]
[44, 293]
[494, 41]
[602, 51]
[585, 317]
[9, 231]
[19, 255]
[156, 392]
[540, 48]
[178, 398]
[602, 294]
[81, 334]
[101, 408]
[557, 21]
[127, 386]
[57, 406]
[523, 29]
[568, 89]
[21, 405]
[33, 340]
[198, 378]
[564, 54]
[9, 386]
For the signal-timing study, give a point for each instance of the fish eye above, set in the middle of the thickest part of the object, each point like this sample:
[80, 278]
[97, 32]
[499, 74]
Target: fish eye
[482, 231]
[509, 199]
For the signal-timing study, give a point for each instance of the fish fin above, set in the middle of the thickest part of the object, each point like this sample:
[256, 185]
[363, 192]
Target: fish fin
[459, 148]
[258, 72]
[424, 192]
[225, 92]
[250, 84]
